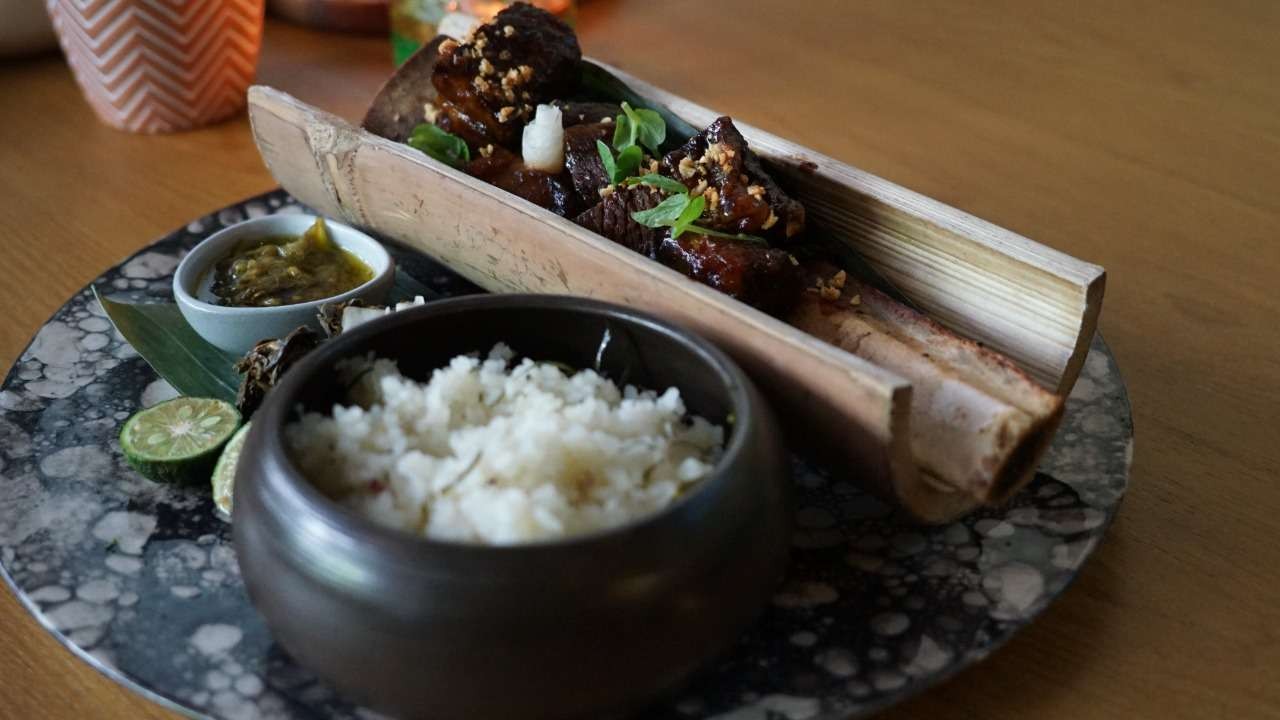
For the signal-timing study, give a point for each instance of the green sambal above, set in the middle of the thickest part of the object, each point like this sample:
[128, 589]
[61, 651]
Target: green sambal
[287, 270]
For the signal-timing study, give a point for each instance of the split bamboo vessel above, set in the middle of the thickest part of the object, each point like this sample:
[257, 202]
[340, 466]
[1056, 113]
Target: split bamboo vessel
[1036, 306]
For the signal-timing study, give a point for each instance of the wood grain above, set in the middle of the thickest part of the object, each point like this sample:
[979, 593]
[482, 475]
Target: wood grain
[1143, 137]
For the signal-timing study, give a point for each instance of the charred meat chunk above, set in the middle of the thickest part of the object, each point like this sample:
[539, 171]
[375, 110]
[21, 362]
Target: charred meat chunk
[611, 217]
[740, 195]
[489, 85]
[765, 278]
[504, 169]
[582, 159]
[267, 362]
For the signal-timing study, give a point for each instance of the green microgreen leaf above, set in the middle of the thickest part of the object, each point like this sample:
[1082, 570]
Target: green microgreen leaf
[651, 131]
[678, 213]
[606, 159]
[623, 166]
[639, 127]
[660, 182]
[628, 163]
[443, 146]
[691, 212]
[664, 214]
[624, 132]
[732, 236]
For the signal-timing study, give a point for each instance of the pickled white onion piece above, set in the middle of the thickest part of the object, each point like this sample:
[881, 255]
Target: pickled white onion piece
[543, 146]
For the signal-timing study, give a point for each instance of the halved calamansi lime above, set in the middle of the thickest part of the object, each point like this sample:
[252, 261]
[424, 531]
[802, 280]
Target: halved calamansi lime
[224, 473]
[178, 440]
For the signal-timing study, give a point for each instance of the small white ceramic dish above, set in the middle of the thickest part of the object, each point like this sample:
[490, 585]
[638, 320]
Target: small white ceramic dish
[237, 329]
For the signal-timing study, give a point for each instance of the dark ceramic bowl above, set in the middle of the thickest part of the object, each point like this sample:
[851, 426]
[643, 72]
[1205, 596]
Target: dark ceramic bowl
[589, 626]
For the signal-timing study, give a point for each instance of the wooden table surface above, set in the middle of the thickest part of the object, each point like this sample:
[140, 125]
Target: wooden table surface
[1145, 139]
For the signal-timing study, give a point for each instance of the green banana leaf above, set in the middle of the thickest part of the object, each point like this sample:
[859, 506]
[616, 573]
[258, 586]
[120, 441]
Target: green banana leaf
[159, 333]
[407, 288]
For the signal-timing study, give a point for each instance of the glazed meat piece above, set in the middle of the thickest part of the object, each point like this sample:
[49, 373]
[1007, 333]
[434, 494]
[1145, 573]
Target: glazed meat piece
[765, 278]
[740, 195]
[611, 217]
[504, 169]
[587, 113]
[489, 85]
[582, 159]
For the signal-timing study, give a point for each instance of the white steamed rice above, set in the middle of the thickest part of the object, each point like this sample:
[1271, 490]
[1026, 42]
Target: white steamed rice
[490, 453]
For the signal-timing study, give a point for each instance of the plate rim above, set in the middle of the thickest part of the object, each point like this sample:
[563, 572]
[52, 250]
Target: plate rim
[911, 690]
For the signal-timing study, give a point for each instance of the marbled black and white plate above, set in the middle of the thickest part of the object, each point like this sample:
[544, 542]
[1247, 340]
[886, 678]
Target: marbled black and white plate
[140, 579]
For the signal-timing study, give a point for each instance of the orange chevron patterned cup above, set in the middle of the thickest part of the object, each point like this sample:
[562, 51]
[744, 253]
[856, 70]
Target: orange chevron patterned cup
[153, 66]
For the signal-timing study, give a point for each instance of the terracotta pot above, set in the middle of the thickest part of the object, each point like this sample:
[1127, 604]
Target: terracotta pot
[154, 66]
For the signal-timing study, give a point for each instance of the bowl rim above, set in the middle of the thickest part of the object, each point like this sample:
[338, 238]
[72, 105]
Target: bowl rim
[275, 456]
[197, 260]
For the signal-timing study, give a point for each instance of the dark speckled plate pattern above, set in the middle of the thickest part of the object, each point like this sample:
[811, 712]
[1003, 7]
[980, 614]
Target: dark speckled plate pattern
[140, 579]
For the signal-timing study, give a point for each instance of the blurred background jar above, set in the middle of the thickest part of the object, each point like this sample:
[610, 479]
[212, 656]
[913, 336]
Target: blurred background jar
[414, 22]
[356, 16]
[25, 28]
